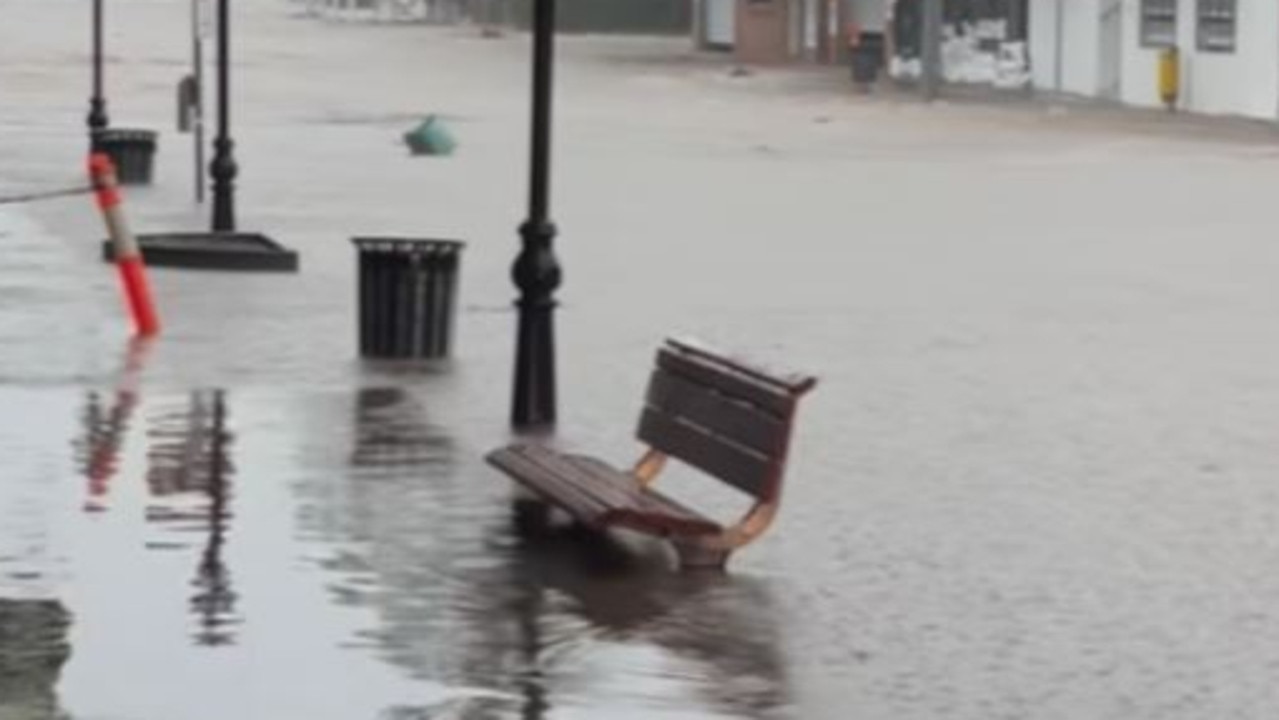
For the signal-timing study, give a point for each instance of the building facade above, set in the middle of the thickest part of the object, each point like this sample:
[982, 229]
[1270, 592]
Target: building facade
[1228, 52]
[771, 31]
[982, 41]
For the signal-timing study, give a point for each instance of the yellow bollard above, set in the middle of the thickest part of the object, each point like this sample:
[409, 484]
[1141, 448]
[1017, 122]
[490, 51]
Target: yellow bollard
[1169, 76]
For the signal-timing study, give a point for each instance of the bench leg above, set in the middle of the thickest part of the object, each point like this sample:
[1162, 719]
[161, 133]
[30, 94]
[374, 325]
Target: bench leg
[696, 556]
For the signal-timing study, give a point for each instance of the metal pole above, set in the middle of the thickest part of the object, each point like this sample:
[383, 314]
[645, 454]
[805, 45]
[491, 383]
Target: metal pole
[223, 168]
[197, 109]
[930, 51]
[536, 272]
[97, 120]
[540, 139]
[1059, 45]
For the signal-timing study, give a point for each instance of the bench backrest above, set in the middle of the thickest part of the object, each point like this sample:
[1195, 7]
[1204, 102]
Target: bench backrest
[723, 416]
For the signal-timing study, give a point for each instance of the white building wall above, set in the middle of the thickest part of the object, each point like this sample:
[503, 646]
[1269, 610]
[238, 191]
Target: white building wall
[1079, 37]
[717, 22]
[1245, 82]
[1043, 44]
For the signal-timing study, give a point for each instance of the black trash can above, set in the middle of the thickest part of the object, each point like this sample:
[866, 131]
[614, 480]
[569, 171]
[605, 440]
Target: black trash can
[408, 289]
[868, 58]
[132, 152]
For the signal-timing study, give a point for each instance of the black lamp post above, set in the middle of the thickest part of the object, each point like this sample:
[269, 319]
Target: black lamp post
[223, 247]
[97, 120]
[223, 168]
[536, 271]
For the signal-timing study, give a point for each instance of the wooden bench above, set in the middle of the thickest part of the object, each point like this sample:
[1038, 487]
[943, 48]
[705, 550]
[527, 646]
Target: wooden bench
[725, 417]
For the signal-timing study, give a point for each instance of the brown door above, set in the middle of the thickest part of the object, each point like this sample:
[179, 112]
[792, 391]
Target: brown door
[763, 31]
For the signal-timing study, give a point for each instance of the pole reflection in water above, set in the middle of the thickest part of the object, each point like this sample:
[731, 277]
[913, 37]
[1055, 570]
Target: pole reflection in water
[214, 601]
[33, 649]
[574, 622]
[391, 431]
[98, 454]
[718, 631]
[189, 476]
[529, 678]
[523, 627]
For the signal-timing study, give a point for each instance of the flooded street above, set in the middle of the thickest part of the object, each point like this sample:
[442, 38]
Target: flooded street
[1039, 477]
[335, 555]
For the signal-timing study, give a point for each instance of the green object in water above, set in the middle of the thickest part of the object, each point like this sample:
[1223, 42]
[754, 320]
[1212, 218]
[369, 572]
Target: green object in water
[430, 138]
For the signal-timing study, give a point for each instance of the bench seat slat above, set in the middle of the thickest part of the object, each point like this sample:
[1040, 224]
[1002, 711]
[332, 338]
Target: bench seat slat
[548, 484]
[596, 493]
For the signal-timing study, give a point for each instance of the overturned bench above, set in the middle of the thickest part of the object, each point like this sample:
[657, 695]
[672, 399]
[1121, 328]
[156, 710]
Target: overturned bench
[728, 418]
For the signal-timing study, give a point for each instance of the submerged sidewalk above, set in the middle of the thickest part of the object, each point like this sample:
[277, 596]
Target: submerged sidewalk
[1041, 449]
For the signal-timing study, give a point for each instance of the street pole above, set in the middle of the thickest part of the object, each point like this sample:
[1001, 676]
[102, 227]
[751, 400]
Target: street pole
[536, 272]
[97, 120]
[199, 23]
[1059, 32]
[223, 168]
[931, 48]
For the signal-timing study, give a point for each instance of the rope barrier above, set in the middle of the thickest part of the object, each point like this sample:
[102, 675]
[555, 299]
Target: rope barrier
[45, 195]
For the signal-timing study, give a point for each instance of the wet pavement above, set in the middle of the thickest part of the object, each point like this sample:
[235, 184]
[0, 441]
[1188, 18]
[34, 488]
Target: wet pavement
[1037, 480]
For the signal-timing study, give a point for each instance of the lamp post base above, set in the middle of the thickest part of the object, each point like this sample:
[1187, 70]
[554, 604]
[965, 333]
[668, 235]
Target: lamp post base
[237, 251]
[534, 401]
[537, 274]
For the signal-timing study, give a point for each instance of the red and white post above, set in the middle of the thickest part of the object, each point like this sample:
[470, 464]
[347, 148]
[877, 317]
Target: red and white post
[128, 257]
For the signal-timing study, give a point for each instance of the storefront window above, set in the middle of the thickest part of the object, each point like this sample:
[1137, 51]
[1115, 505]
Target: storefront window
[1216, 26]
[1159, 23]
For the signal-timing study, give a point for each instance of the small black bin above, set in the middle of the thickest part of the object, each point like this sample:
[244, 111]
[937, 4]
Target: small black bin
[868, 58]
[132, 152]
[407, 292]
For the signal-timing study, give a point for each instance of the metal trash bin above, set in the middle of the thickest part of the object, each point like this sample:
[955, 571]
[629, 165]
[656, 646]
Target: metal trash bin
[132, 152]
[407, 289]
[868, 58]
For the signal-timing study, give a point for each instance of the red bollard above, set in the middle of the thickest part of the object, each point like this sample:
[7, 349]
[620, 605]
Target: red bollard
[128, 258]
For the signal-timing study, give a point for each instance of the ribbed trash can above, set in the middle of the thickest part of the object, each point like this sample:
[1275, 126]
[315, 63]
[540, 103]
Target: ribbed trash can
[132, 151]
[868, 58]
[408, 289]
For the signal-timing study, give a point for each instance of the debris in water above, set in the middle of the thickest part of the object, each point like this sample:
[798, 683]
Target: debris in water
[431, 137]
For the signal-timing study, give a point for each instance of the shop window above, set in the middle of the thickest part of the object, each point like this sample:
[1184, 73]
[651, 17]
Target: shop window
[1159, 22]
[1215, 30]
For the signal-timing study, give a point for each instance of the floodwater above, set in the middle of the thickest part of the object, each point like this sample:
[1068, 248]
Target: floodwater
[1038, 479]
